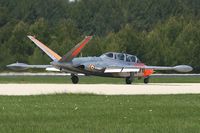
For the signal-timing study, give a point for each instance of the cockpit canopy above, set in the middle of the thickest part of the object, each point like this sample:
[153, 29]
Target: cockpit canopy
[122, 57]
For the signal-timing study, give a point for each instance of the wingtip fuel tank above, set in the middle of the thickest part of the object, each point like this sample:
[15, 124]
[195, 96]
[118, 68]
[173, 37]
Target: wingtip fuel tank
[18, 66]
[183, 68]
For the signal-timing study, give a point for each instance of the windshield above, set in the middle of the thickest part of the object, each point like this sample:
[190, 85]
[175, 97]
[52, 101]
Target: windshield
[130, 58]
[120, 56]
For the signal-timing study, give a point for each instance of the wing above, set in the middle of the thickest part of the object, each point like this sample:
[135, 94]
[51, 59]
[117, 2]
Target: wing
[23, 66]
[179, 68]
[115, 69]
[121, 69]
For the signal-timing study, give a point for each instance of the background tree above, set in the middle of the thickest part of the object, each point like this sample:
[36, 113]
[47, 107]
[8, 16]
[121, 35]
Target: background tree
[164, 32]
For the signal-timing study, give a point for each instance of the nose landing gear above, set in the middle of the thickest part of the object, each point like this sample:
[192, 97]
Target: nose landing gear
[146, 80]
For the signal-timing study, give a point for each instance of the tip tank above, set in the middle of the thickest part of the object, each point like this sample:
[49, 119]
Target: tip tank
[183, 68]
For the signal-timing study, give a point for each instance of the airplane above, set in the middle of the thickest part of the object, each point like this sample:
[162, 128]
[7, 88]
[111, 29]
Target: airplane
[110, 64]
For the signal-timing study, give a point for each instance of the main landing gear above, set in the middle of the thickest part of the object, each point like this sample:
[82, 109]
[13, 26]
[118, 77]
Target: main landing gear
[74, 79]
[146, 80]
[129, 80]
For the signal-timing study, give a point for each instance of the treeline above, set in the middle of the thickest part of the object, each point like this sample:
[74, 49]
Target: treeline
[164, 32]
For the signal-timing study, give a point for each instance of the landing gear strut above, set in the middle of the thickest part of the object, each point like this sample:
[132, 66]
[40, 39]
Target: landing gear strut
[146, 80]
[74, 79]
[129, 80]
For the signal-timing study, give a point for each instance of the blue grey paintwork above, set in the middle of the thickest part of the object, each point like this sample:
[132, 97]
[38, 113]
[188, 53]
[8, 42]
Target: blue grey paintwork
[82, 65]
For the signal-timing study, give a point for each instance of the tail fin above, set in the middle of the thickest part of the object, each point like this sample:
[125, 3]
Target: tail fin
[54, 56]
[76, 50]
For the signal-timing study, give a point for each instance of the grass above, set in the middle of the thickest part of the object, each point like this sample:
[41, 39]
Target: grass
[93, 80]
[91, 113]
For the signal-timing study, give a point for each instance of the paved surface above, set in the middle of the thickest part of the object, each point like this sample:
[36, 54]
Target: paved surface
[53, 74]
[104, 89]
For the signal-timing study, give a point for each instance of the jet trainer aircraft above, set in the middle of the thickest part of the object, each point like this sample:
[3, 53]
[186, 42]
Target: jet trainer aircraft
[111, 64]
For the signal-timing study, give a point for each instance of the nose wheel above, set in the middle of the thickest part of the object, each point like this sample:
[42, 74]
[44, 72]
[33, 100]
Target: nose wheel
[74, 79]
[146, 80]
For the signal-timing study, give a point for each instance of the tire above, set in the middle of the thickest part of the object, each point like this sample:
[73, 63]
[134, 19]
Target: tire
[74, 79]
[146, 80]
[128, 80]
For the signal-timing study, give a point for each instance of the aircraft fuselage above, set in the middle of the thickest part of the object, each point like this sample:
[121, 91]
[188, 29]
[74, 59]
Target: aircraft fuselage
[94, 66]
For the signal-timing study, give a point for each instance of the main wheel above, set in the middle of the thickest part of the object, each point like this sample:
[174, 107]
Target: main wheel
[129, 80]
[146, 80]
[74, 79]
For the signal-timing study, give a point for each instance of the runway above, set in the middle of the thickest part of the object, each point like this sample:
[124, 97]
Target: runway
[100, 89]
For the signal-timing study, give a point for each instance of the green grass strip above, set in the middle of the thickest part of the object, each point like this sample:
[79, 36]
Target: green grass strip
[90, 113]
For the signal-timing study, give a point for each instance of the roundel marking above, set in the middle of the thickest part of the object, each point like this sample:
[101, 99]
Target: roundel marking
[91, 67]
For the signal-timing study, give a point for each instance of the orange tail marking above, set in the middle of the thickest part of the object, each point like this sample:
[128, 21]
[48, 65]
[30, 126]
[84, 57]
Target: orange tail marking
[83, 43]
